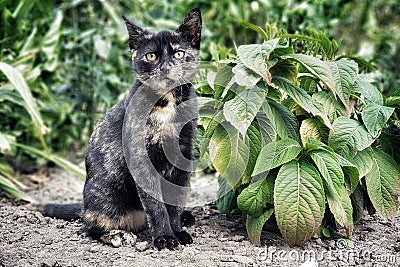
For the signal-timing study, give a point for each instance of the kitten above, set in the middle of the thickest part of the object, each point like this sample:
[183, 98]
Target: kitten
[138, 160]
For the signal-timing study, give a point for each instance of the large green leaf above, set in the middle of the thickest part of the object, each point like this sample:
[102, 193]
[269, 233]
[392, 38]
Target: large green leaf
[266, 125]
[221, 80]
[368, 92]
[254, 225]
[348, 208]
[342, 210]
[357, 200]
[344, 74]
[312, 128]
[275, 154]
[229, 153]
[254, 198]
[333, 177]
[327, 104]
[210, 119]
[390, 141]
[299, 201]
[241, 110]
[286, 124]
[383, 185]
[363, 160]
[254, 139]
[285, 68]
[330, 169]
[313, 144]
[348, 137]
[351, 173]
[255, 57]
[301, 98]
[225, 196]
[375, 117]
[317, 67]
[245, 76]
[16, 78]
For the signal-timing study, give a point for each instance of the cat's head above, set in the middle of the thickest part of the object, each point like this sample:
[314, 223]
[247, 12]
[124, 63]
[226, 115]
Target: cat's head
[166, 59]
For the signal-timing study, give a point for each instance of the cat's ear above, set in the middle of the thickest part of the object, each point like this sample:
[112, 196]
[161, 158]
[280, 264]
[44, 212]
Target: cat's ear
[136, 34]
[191, 28]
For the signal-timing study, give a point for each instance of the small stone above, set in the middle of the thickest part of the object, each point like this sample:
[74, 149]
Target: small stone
[130, 255]
[129, 239]
[21, 220]
[116, 242]
[319, 242]
[246, 261]
[205, 235]
[94, 249]
[141, 246]
[238, 238]
[47, 241]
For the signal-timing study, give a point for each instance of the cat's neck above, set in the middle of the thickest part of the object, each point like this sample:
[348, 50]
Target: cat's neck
[180, 93]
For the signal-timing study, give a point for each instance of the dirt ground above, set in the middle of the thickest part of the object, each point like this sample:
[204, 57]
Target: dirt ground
[29, 239]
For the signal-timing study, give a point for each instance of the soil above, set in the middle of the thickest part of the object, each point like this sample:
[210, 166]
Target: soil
[29, 239]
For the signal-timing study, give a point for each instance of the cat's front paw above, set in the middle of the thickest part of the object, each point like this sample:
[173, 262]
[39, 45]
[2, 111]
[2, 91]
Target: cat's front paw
[184, 238]
[166, 241]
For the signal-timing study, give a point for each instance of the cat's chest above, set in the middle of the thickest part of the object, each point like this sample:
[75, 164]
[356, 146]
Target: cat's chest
[162, 120]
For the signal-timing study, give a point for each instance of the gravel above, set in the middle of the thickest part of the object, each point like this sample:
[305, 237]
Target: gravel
[29, 239]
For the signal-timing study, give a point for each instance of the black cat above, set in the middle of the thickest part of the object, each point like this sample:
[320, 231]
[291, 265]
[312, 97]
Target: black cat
[138, 160]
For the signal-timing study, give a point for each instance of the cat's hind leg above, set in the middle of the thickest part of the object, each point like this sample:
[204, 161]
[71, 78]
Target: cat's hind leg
[114, 230]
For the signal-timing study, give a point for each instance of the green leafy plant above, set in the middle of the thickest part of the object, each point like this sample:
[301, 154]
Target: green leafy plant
[303, 136]
[8, 182]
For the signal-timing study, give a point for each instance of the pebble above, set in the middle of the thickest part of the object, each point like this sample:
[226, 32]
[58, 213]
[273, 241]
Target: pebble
[129, 239]
[205, 235]
[94, 249]
[47, 241]
[130, 255]
[21, 220]
[242, 259]
[238, 238]
[116, 242]
[141, 246]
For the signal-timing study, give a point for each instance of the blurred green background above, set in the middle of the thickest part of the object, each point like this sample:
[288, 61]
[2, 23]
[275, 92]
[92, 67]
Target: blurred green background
[75, 60]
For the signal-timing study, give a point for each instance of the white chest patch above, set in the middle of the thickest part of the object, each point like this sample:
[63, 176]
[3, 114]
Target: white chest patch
[163, 120]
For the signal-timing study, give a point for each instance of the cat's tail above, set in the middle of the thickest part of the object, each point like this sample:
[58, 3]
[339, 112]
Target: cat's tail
[61, 211]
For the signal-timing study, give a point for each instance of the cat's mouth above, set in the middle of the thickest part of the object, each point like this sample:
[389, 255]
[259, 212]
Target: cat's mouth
[163, 82]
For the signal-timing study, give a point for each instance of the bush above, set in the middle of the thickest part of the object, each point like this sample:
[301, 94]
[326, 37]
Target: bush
[303, 136]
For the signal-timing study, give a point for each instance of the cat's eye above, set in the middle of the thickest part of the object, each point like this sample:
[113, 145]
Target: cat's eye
[179, 54]
[151, 56]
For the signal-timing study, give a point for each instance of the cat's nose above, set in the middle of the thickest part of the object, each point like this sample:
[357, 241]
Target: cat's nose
[165, 66]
